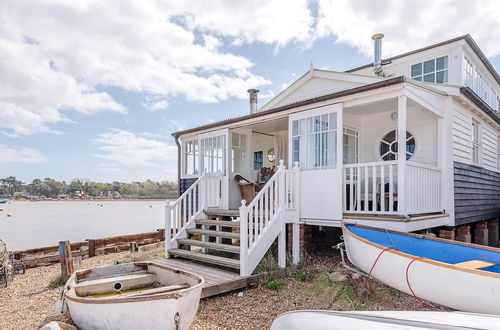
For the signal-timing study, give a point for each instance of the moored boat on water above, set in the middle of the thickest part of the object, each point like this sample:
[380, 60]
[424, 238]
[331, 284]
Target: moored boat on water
[458, 275]
[333, 320]
[141, 295]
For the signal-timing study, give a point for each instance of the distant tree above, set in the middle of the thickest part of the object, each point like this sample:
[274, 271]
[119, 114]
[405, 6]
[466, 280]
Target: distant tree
[11, 184]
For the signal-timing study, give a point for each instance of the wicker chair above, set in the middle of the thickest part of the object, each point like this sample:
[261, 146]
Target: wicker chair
[248, 188]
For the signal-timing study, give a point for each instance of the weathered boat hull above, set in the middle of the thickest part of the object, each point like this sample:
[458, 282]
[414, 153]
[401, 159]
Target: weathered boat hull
[463, 289]
[156, 311]
[333, 320]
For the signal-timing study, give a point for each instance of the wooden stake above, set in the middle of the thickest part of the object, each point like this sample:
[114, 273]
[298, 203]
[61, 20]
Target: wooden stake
[65, 259]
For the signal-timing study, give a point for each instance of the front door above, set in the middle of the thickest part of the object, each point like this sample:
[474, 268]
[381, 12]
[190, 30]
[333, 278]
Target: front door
[316, 143]
[213, 159]
[240, 163]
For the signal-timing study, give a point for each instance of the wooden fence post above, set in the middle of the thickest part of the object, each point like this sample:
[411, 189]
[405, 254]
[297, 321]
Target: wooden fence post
[161, 234]
[91, 247]
[65, 259]
[133, 247]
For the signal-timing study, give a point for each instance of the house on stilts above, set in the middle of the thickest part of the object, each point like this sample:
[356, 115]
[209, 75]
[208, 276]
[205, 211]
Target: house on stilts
[408, 143]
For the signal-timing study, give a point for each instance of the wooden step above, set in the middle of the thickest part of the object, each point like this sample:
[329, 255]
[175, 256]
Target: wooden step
[222, 213]
[214, 233]
[210, 259]
[222, 223]
[210, 245]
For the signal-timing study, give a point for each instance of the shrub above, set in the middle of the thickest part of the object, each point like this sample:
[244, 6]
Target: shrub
[56, 282]
[303, 276]
[275, 284]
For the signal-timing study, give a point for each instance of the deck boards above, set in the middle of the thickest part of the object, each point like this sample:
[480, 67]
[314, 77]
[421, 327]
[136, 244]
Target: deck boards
[217, 280]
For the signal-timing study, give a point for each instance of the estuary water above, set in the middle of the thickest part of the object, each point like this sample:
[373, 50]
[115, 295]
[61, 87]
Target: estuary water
[36, 224]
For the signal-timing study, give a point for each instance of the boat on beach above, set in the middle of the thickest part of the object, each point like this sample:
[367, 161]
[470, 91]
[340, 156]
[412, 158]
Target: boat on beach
[459, 275]
[140, 295]
[381, 320]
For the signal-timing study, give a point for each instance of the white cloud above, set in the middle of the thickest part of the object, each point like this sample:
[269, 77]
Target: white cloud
[56, 55]
[15, 154]
[129, 156]
[408, 25]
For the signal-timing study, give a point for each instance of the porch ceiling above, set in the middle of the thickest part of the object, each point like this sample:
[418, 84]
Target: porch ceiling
[381, 106]
[276, 125]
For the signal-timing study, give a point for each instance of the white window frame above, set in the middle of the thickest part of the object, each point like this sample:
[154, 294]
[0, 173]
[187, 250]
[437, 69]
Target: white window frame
[421, 76]
[476, 139]
[468, 73]
[354, 133]
[195, 153]
[223, 134]
[312, 114]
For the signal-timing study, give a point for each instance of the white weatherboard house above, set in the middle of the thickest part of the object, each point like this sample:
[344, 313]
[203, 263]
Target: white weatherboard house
[338, 135]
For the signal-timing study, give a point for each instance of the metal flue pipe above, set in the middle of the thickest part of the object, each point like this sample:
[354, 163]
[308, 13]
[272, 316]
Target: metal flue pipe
[253, 99]
[377, 61]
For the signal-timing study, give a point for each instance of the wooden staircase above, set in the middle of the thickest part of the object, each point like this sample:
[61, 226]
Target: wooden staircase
[214, 240]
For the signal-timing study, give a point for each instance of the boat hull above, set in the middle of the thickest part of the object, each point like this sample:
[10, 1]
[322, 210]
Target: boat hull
[152, 312]
[390, 320]
[461, 289]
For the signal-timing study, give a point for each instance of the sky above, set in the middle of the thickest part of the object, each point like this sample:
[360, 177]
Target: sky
[94, 89]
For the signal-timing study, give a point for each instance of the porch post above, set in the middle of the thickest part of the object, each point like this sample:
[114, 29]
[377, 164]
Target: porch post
[168, 229]
[401, 154]
[340, 163]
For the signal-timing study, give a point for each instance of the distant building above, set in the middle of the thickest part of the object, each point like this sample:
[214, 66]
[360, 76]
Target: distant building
[110, 194]
[79, 194]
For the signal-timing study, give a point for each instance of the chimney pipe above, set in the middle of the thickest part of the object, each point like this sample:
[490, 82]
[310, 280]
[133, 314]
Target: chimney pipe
[253, 99]
[377, 61]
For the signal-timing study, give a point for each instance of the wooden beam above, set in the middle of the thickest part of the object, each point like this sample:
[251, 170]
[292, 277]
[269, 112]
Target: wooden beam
[65, 259]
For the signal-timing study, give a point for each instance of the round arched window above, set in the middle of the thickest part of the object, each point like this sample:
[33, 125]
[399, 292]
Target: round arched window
[388, 148]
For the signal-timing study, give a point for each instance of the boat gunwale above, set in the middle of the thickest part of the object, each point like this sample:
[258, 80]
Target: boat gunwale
[424, 260]
[68, 293]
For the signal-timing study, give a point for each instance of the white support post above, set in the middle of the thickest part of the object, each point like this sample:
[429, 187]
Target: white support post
[168, 229]
[296, 169]
[282, 245]
[401, 154]
[281, 186]
[295, 243]
[244, 239]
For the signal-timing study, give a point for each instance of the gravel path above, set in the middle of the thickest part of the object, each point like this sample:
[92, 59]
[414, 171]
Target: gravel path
[28, 303]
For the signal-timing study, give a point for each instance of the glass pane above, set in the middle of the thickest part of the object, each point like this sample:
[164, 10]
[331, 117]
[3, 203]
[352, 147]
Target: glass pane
[295, 149]
[429, 77]
[317, 123]
[440, 77]
[332, 150]
[418, 78]
[324, 122]
[302, 152]
[429, 66]
[442, 63]
[236, 140]
[302, 126]
[295, 128]
[333, 120]
[416, 70]
[350, 149]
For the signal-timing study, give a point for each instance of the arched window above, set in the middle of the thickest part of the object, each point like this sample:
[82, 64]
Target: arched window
[388, 148]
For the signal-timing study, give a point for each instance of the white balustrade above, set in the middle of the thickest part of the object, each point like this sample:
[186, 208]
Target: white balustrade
[423, 188]
[262, 219]
[373, 188]
[370, 187]
[181, 213]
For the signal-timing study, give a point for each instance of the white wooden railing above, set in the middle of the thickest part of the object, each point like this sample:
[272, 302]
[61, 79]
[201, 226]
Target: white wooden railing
[370, 187]
[423, 188]
[262, 220]
[373, 188]
[180, 214]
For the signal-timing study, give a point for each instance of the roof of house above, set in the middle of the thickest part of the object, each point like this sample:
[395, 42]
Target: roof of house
[466, 37]
[364, 88]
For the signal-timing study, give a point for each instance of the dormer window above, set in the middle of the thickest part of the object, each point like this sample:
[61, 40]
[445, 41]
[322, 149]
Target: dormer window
[434, 71]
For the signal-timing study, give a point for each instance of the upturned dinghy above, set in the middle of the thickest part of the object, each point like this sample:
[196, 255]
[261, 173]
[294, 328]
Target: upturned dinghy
[141, 295]
[459, 275]
[383, 320]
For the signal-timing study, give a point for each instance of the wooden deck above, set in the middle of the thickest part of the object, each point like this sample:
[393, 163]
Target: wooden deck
[217, 280]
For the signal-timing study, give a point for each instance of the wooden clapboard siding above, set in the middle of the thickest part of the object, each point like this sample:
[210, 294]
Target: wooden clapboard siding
[489, 146]
[462, 121]
[477, 193]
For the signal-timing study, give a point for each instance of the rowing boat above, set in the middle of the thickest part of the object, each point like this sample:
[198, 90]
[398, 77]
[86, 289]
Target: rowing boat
[141, 295]
[459, 275]
[383, 320]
